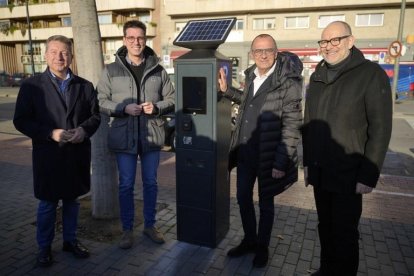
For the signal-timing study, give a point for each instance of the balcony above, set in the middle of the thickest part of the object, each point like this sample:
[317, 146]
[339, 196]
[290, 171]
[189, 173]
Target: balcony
[194, 8]
[113, 5]
[107, 30]
[37, 10]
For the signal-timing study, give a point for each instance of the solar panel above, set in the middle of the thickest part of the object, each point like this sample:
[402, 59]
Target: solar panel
[205, 34]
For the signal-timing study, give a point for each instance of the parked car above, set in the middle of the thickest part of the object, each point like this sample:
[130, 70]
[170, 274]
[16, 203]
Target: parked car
[17, 79]
[7, 80]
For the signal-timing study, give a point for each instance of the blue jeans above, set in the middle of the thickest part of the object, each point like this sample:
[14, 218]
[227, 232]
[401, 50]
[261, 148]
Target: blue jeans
[46, 219]
[127, 168]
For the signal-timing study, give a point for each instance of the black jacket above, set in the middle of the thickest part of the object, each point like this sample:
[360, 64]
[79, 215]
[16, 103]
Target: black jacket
[278, 123]
[347, 124]
[59, 171]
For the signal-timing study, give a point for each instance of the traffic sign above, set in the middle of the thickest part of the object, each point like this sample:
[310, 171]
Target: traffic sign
[395, 49]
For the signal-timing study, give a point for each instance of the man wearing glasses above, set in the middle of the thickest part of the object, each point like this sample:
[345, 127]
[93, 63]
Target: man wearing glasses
[263, 145]
[135, 91]
[347, 128]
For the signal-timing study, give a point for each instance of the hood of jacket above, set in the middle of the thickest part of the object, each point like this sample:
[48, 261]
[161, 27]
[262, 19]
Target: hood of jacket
[150, 57]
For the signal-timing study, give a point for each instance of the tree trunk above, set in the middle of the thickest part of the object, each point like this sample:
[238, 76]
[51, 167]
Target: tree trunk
[89, 57]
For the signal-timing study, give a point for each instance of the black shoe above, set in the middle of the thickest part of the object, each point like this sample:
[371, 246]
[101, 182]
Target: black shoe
[78, 249]
[317, 273]
[262, 256]
[44, 257]
[243, 248]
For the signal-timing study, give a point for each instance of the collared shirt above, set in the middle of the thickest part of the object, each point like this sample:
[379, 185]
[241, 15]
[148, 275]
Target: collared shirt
[63, 84]
[259, 80]
[133, 63]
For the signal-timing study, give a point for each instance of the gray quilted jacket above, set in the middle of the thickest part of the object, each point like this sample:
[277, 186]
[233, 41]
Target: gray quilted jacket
[117, 88]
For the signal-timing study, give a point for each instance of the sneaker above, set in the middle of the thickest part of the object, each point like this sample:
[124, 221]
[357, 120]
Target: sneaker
[243, 248]
[154, 234]
[127, 240]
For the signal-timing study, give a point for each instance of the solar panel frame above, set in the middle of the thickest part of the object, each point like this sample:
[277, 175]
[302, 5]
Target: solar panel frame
[207, 34]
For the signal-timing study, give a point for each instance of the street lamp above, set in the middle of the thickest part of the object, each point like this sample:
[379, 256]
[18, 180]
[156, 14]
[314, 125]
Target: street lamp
[30, 37]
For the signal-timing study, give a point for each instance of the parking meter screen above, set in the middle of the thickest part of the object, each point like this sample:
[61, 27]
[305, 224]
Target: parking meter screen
[194, 95]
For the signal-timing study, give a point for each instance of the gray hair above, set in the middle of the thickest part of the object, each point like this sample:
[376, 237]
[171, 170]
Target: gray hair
[60, 38]
[264, 36]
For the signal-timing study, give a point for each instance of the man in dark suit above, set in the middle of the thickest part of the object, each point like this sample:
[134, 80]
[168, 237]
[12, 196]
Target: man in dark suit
[59, 111]
[347, 128]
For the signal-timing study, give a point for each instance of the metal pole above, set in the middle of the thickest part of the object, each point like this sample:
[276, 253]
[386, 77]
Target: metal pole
[30, 37]
[397, 59]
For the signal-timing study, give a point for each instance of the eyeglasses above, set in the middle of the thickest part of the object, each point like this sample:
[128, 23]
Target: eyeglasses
[260, 52]
[131, 39]
[335, 41]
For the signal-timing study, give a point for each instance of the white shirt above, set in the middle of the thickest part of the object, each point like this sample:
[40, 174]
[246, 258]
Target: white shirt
[259, 80]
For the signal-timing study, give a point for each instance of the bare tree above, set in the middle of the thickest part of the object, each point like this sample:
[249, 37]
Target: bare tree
[88, 53]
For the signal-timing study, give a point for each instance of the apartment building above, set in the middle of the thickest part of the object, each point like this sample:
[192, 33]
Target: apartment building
[50, 17]
[296, 25]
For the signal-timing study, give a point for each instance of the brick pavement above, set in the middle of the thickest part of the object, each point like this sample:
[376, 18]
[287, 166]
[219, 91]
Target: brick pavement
[386, 246]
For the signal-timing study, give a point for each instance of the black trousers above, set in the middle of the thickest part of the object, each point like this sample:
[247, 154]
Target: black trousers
[246, 178]
[339, 216]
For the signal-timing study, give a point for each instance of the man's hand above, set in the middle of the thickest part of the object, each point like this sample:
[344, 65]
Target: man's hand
[222, 80]
[305, 176]
[363, 189]
[147, 107]
[277, 174]
[133, 109]
[61, 135]
[78, 134]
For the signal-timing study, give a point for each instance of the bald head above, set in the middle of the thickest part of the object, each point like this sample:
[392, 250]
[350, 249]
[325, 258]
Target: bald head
[341, 25]
[336, 42]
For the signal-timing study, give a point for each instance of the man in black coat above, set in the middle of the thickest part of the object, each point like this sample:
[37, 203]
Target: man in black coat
[346, 132]
[264, 142]
[59, 111]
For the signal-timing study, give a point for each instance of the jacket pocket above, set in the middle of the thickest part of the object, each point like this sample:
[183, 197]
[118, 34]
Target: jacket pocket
[118, 134]
[156, 132]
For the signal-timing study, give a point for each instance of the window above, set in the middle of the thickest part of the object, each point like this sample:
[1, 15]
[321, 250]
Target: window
[105, 18]
[324, 20]
[179, 26]
[144, 18]
[66, 21]
[263, 23]
[369, 19]
[239, 25]
[3, 3]
[297, 22]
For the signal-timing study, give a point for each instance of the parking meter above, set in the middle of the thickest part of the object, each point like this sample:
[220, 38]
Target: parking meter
[203, 129]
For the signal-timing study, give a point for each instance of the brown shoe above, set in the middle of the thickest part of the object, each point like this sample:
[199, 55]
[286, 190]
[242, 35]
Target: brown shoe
[154, 234]
[127, 240]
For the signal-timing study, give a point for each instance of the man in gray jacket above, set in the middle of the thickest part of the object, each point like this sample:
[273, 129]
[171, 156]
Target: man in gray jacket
[135, 90]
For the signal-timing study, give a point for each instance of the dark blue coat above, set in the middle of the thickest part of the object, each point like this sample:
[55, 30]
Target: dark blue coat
[59, 171]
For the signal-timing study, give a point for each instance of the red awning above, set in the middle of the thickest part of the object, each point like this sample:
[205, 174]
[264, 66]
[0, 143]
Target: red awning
[177, 53]
[373, 51]
[314, 51]
[301, 52]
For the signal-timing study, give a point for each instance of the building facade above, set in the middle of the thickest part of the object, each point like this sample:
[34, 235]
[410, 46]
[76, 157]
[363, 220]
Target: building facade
[51, 17]
[295, 24]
